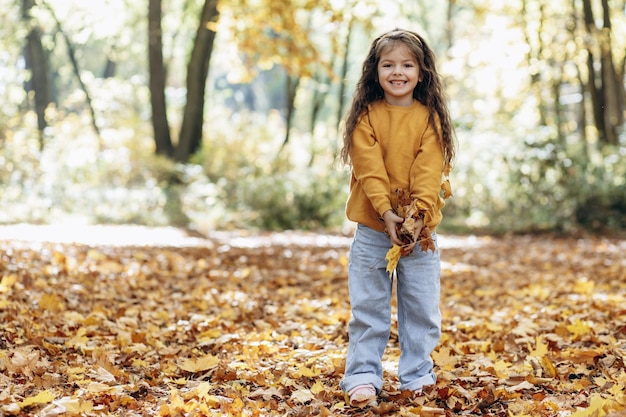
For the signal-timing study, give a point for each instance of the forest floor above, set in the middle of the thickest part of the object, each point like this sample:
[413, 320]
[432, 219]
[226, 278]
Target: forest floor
[133, 321]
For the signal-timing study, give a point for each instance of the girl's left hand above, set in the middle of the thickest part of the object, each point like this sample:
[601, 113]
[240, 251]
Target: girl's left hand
[391, 219]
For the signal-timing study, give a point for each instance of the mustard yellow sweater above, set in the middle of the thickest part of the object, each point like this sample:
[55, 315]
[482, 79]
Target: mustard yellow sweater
[394, 147]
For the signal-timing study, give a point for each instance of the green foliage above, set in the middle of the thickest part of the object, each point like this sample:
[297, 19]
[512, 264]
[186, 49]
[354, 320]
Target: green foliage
[262, 187]
[504, 184]
[300, 200]
[235, 181]
[74, 179]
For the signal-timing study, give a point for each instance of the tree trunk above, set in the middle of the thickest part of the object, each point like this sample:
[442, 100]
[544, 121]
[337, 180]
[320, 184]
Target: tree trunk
[160, 124]
[449, 25]
[293, 81]
[535, 76]
[36, 61]
[197, 73]
[109, 68]
[613, 88]
[344, 72]
[607, 92]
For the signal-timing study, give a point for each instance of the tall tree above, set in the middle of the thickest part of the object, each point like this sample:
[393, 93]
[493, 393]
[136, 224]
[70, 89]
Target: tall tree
[604, 83]
[191, 131]
[36, 60]
[341, 99]
[160, 124]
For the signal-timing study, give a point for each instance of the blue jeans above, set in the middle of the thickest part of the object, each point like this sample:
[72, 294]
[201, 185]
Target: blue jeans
[419, 317]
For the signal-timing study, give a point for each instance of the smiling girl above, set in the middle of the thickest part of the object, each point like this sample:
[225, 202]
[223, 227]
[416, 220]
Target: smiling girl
[398, 139]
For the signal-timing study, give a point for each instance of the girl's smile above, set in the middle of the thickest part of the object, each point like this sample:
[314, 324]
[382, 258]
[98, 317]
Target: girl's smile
[398, 75]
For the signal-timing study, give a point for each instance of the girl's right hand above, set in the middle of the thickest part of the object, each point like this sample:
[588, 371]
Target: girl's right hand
[391, 219]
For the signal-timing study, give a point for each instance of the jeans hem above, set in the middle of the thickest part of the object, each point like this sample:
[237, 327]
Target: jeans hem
[355, 380]
[429, 379]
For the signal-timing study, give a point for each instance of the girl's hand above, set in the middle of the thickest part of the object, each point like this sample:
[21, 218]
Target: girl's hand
[391, 219]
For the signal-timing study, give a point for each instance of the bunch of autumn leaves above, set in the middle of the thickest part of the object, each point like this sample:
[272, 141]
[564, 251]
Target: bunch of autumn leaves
[410, 210]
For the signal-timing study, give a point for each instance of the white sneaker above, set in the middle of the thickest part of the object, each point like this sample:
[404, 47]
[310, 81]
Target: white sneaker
[362, 396]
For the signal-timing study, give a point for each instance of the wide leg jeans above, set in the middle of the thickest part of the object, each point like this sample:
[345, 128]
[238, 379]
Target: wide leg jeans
[419, 317]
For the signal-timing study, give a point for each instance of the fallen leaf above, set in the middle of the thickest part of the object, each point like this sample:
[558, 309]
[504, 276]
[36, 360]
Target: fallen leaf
[43, 397]
[201, 364]
[302, 396]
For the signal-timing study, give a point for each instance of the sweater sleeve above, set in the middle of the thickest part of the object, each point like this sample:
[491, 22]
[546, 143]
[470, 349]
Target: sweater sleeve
[426, 174]
[368, 166]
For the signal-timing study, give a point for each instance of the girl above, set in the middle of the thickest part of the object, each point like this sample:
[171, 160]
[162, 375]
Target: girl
[398, 139]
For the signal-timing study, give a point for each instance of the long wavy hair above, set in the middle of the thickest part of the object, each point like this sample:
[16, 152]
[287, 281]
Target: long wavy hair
[429, 91]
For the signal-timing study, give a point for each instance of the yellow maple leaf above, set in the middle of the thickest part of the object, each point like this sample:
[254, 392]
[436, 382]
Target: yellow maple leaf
[392, 258]
[597, 406]
[176, 402]
[164, 410]
[52, 303]
[584, 287]
[74, 405]
[210, 334]
[443, 359]
[200, 364]
[579, 328]
[317, 388]
[306, 371]
[140, 363]
[548, 367]
[541, 349]
[203, 390]
[502, 368]
[44, 397]
[7, 282]
[79, 340]
[302, 396]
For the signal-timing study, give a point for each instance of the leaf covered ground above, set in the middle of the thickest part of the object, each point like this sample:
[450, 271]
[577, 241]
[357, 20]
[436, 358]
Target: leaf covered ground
[256, 325]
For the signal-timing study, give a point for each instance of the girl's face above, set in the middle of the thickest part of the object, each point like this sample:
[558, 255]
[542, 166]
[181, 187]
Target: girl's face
[398, 74]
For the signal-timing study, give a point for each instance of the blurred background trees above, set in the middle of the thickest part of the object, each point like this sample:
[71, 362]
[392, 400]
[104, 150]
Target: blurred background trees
[226, 113]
